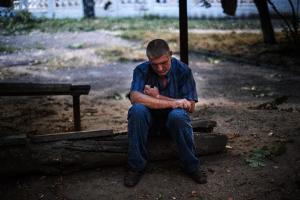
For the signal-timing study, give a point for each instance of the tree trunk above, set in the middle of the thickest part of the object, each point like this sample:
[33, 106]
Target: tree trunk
[265, 21]
[6, 3]
[56, 153]
[89, 8]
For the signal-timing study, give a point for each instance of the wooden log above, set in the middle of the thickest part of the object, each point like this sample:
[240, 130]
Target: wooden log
[51, 154]
[77, 135]
[205, 126]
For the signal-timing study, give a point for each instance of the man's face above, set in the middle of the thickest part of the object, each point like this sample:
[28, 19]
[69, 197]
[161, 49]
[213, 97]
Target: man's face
[161, 65]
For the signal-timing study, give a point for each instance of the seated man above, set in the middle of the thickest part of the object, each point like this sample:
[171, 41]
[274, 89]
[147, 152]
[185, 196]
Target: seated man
[162, 93]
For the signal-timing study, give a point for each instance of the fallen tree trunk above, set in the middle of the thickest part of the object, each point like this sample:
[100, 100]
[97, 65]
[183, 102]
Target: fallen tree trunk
[58, 153]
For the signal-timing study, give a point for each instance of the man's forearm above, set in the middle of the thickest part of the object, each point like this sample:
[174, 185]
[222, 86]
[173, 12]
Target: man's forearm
[165, 98]
[191, 109]
[151, 102]
[161, 102]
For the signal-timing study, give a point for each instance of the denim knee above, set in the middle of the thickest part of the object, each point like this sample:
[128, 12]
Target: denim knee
[178, 116]
[138, 111]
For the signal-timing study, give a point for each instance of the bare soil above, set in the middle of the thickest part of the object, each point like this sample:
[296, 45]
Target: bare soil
[227, 91]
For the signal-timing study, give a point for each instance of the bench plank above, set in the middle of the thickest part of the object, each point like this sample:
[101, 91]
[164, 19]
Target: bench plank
[31, 89]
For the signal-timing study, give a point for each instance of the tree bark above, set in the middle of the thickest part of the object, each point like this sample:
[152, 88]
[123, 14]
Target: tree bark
[6, 3]
[265, 21]
[89, 8]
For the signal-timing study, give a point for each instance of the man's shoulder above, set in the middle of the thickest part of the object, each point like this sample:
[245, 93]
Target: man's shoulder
[143, 67]
[179, 66]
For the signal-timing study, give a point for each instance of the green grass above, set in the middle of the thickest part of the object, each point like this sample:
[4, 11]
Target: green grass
[258, 157]
[121, 54]
[24, 22]
[243, 45]
[7, 49]
[77, 46]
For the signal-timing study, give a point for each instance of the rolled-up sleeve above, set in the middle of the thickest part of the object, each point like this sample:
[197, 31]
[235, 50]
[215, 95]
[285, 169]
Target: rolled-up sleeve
[188, 89]
[138, 81]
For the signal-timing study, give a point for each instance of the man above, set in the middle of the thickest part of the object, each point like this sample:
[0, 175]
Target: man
[162, 93]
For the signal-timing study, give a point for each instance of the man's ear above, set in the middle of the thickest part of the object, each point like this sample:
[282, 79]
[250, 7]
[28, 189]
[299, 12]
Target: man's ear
[171, 53]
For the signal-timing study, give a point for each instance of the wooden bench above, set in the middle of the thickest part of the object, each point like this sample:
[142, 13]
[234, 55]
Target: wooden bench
[38, 89]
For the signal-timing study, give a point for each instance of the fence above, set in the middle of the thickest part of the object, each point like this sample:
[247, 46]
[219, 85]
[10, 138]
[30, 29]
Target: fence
[133, 8]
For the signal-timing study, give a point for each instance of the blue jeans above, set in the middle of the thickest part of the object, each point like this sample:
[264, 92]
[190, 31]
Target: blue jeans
[143, 121]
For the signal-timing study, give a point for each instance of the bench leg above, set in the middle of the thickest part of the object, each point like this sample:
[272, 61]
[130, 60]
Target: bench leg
[76, 112]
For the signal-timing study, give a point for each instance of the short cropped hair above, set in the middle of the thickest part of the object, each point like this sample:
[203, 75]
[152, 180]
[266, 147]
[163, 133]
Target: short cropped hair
[157, 48]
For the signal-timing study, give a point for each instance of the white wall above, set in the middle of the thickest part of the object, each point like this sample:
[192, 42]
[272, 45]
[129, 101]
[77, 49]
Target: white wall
[133, 8]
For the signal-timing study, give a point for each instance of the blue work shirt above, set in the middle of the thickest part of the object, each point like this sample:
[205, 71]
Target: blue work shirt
[180, 80]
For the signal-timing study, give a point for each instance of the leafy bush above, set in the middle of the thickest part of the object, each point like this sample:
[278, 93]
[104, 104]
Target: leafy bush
[19, 22]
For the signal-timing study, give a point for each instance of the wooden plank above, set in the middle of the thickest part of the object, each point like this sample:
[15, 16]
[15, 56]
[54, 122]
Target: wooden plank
[24, 89]
[31, 89]
[80, 89]
[13, 140]
[70, 136]
[205, 126]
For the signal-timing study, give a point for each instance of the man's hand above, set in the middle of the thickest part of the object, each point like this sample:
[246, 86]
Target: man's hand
[153, 92]
[182, 103]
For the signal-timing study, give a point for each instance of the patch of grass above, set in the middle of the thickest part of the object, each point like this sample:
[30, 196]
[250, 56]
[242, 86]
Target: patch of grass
[222, 24]
[25, 22]
[39, 46]
[146, 36]
[121, 54]
[77, 46]
[7, 49]
[249, 46]
[258, 157]
[57, 63]
[22, 22]
[232, 43]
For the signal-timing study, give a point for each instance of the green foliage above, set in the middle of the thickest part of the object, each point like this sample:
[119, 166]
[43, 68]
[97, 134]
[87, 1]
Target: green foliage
[151, 17]
[39, 46]
[7, 49]
[23, 17]
[22, 21]
[258, 157]
[77, 46]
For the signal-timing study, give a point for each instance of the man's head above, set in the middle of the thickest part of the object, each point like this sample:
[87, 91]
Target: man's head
[159, 55]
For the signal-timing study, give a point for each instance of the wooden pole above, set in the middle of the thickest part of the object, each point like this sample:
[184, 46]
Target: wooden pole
[76, 112]
[183, 31]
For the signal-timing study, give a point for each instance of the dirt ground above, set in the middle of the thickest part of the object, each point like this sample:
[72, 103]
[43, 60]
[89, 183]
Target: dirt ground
[227, 91]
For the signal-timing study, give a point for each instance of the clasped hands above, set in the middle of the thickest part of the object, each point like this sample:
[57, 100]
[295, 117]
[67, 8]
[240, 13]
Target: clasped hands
[176, 103]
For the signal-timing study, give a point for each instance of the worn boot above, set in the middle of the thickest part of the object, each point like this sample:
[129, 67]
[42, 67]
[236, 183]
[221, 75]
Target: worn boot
[132, 178]
[199, 176]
